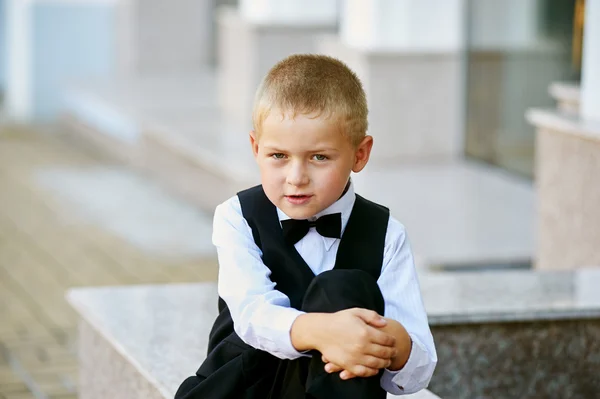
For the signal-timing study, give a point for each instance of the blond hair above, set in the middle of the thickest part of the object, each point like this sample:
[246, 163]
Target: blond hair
[310, 83]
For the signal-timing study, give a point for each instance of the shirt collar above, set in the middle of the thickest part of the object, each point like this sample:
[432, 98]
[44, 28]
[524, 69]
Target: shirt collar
[344, 206]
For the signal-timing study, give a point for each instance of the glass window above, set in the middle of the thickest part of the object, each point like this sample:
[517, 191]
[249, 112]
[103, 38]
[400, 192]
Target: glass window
[515, 50]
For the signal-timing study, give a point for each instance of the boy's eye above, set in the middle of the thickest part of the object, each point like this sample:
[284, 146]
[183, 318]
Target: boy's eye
[319, 157]
[278, 155]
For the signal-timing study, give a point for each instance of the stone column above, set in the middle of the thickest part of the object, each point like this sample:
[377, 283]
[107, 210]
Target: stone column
[408, 54]
[253, 37]
[18, 93]
[158, 37]
[568, 168]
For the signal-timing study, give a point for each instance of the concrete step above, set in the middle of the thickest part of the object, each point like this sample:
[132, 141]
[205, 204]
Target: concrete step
[170, 127]
[459, 214]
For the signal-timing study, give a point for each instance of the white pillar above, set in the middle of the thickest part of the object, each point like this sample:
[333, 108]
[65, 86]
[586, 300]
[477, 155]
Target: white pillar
[306, 11]
[408, 54]
[590, 74]
[42, 58]
[18, 102]
[259, 33]
[423, 25]
[164, 37]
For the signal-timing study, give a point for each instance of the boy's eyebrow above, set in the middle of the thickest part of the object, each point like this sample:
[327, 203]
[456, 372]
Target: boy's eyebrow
[273, 148]
[325, 149]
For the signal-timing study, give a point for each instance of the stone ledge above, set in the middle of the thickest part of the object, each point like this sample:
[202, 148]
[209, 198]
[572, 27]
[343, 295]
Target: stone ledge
[198, 151]
[496, 332]
[567, 95]
[156, 335]
[562, 122]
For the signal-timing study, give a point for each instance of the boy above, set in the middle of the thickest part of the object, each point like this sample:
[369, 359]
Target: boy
[308, 268]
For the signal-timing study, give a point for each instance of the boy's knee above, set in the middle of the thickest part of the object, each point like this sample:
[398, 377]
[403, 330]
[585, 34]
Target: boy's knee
[341, 289]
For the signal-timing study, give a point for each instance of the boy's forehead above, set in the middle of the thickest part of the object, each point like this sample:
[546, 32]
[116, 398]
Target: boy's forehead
[281, 115]
[301, 131]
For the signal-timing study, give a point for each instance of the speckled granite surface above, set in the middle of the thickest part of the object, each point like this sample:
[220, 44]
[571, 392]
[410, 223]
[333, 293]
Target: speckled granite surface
[161, 330]
[105, 373]
[511, 295]
[546, 359]
[143, 341]
[541, 334]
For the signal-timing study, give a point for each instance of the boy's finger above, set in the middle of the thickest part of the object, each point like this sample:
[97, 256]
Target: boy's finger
[358, 371]
[381, 351]
[346, 375]
[324, 359]
[370, 317]
[332, 368]
[382, 338]
[374, 362]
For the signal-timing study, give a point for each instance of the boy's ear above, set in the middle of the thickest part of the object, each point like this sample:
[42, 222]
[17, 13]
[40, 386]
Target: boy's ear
[362, 154]
[254, 143]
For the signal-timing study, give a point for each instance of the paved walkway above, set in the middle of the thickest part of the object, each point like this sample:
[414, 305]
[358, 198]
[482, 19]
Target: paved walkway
[64, 223]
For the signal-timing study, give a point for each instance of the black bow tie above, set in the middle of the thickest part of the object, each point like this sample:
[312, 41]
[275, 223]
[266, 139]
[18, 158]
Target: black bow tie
[327, 226]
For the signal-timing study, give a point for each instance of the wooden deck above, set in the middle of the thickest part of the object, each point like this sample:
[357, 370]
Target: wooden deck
[42, 254]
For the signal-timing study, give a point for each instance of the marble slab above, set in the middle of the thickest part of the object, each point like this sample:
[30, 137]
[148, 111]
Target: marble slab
[456, 213]
[569, 123]
[530, 360]
[453, 298]
[161, 330]
[567, 169]
[129, 206]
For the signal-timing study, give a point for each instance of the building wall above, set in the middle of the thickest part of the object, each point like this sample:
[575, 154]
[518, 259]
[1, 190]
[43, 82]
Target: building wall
[69, 42]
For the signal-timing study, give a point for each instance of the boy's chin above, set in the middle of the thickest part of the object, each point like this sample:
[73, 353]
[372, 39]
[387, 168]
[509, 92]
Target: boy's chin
[298, 214]
[299, 211]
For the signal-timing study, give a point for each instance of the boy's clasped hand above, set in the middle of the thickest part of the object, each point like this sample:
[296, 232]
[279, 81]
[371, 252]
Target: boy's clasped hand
[354, 342]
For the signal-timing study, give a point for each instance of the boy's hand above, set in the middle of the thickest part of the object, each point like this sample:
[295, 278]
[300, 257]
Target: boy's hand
[353, 341]
[403, 347]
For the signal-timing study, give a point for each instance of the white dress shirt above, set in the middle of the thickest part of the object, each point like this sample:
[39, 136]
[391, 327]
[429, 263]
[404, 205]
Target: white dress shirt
[263, 317]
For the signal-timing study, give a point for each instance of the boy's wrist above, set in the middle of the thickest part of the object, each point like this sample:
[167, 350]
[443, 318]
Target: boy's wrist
[304, 331]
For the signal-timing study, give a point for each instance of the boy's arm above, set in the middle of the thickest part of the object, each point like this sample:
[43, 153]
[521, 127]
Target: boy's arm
[262, 315]
[403, 305]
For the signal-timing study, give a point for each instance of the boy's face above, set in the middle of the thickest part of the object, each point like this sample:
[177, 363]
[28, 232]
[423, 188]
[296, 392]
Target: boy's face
[305, 162]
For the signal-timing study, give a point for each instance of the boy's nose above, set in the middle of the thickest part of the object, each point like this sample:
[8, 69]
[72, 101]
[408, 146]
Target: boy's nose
[297, 175]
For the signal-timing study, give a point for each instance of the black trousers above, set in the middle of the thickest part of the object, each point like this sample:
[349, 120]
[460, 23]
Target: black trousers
[267, 377]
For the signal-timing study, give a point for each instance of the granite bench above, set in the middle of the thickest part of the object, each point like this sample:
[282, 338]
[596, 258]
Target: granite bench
[142, 341]
[499, 334]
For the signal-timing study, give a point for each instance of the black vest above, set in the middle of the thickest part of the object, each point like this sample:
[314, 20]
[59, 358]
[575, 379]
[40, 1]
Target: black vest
[361, 247]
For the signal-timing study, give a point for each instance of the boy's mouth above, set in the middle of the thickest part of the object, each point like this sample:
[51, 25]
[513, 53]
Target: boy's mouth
[298, 199]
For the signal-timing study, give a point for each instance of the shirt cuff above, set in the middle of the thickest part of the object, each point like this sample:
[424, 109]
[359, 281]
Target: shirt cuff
[415, 374]
[280, 342]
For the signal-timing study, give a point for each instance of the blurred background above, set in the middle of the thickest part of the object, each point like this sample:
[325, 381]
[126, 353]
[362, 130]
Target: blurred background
[123, 123]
